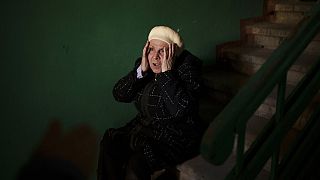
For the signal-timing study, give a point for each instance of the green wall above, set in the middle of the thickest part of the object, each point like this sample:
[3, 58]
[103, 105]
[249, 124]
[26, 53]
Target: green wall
[61, 58]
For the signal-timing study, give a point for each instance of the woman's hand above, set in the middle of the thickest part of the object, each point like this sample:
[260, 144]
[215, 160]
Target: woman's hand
[168, 58]
[144, 61]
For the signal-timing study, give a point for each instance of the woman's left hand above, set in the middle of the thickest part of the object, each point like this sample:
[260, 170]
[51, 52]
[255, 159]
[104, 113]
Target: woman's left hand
[168, 58]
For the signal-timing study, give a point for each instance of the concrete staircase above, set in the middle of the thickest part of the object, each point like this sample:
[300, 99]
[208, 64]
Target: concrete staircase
[237, 61]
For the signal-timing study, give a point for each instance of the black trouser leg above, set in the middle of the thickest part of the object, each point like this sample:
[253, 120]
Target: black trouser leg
[114, 151]
[138, 168]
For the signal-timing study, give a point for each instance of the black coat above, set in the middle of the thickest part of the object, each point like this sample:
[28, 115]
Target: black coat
[167, 127]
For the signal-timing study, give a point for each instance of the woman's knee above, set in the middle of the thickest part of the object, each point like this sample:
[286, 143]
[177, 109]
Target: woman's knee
[115, 142]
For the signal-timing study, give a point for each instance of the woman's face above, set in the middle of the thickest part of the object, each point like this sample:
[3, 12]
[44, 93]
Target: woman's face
[156, 54]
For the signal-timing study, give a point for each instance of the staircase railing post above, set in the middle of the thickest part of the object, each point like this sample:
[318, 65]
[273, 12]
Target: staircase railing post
[281, 95]
[240, 147]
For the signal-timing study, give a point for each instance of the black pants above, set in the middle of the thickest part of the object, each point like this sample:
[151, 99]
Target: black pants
[117, 161]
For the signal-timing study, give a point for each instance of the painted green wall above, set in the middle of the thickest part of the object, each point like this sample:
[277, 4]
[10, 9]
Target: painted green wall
[61, 58]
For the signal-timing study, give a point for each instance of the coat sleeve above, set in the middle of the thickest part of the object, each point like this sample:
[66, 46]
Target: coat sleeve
[181, 87]
[127, 87]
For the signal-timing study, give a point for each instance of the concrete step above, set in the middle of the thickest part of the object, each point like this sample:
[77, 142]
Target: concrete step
[291, 12]
[268, 107]
[297, 6]
[221, 79]
[270, 29]
[277, 30]
[223, 85]
[273, 42]
[285, 17]
[248, 60]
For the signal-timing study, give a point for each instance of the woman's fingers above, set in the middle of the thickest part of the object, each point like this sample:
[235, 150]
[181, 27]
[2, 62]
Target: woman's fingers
[173, 50]
[145, 49]
[144, 61]
[168, 57]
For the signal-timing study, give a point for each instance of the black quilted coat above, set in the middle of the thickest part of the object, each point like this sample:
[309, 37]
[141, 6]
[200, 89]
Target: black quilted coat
[167, 127]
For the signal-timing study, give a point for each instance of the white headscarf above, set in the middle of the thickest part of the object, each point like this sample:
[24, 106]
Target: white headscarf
[167, 35]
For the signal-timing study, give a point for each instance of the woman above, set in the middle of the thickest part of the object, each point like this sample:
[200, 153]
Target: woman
[164, 85]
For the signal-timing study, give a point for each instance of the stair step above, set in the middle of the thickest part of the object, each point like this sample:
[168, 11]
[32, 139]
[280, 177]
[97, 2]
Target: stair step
[272, 42]
[277, 30]
[224, 85]
[222, 80]
[285, 17]
[268, 107]
[248, 60]
[294, 6]
[270, 29]
[291, 12]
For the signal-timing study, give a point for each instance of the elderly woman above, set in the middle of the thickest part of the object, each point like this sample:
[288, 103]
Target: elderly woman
[164, 86]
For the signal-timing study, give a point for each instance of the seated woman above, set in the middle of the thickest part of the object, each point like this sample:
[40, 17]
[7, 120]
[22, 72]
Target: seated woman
[164, 86]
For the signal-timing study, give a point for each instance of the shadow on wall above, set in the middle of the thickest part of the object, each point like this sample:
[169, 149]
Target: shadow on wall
[71, 155]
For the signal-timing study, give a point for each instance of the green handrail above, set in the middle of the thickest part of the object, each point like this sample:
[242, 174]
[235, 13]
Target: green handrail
[291, 164]
[291, 114]
[217, 142]
[260, 150]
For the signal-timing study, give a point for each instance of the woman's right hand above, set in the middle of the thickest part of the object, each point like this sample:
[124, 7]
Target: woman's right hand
[144, 61]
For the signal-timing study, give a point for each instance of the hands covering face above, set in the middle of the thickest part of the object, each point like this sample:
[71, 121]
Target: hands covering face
[158, 55]
[168, 58]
